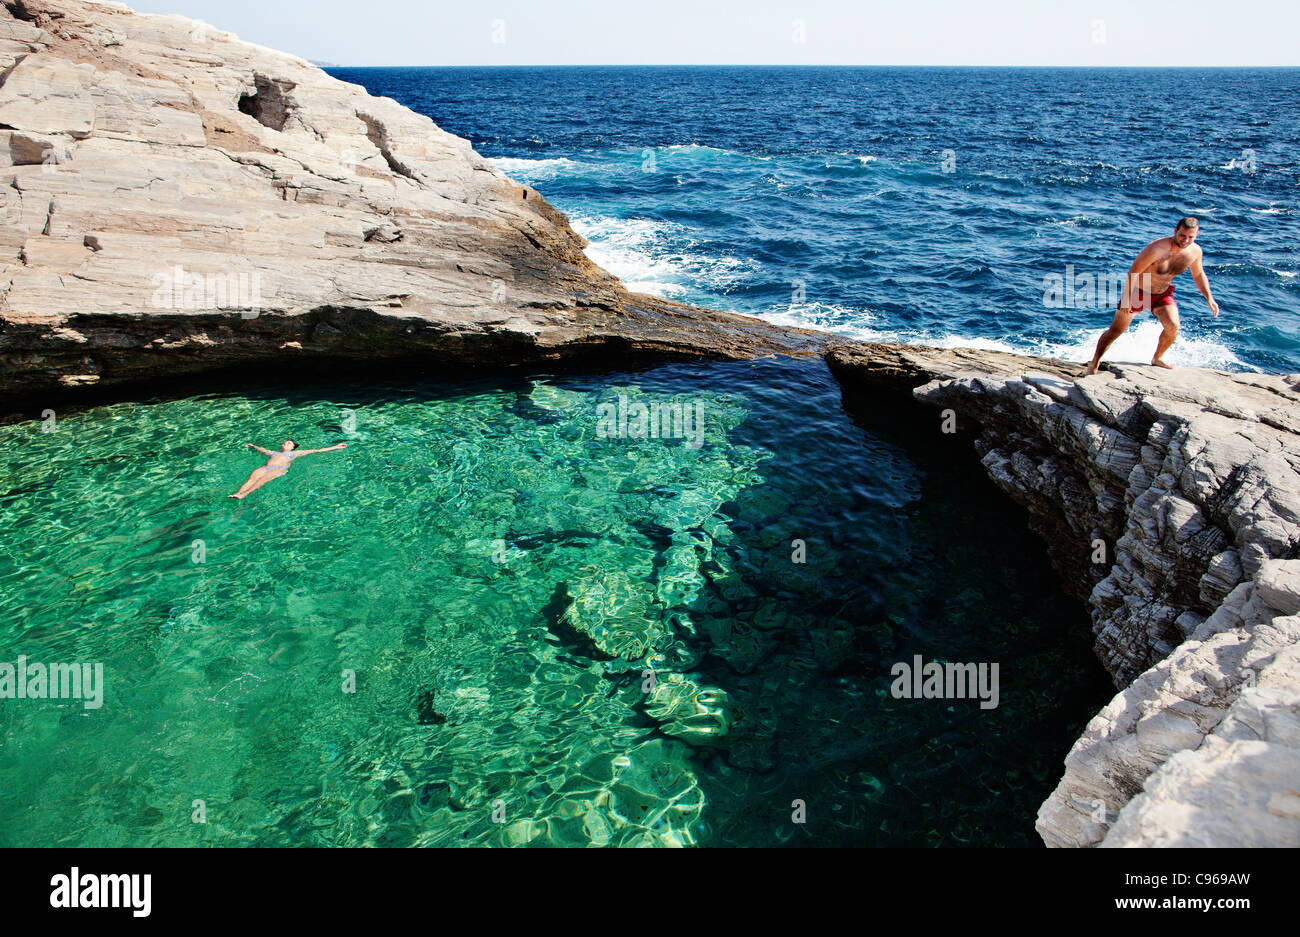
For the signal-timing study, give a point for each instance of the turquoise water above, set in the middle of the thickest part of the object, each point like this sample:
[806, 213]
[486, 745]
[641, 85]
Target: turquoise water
[483, 623]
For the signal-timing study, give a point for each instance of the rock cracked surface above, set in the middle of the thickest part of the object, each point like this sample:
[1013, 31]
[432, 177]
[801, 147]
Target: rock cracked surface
[1170, 501]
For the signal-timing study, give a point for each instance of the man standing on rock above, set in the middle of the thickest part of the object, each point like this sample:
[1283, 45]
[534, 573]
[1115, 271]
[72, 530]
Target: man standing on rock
[1150, 284]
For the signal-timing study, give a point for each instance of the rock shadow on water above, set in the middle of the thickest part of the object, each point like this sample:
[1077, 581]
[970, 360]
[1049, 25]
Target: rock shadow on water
[863, 544]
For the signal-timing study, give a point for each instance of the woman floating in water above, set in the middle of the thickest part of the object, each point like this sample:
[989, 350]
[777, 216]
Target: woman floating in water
[277, 465]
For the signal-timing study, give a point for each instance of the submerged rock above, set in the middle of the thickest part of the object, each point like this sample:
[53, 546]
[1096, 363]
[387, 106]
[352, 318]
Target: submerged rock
[685, 710]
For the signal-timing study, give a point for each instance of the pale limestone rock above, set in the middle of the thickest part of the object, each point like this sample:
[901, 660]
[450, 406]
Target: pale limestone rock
[1192, 479]
[1279, 585]
[185, 201]
[1198, 474]
[43, 95]
[1240, 785]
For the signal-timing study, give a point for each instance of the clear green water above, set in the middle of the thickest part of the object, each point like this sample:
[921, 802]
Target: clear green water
[499, 578]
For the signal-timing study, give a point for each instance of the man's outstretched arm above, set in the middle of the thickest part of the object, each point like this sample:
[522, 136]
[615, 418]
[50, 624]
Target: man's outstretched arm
[1203, 284]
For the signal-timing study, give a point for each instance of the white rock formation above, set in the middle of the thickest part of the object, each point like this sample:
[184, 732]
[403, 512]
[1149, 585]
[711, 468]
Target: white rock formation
[1190, 481]
[173, 199]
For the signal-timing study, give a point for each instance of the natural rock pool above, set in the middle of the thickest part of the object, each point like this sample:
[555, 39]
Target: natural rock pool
[487, 621]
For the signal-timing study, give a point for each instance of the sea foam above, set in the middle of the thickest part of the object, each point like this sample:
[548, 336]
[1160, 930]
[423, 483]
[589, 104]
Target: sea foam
[1136, 346]
[528, 170]
[656, 257]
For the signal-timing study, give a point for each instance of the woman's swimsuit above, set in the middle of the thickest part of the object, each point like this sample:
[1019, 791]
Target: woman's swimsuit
[280, 468]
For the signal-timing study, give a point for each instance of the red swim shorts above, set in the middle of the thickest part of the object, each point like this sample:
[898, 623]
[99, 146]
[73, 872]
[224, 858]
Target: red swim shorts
[1160, 299]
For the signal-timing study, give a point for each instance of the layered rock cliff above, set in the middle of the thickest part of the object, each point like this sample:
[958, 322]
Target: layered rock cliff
[1170, 502]
[177, 201]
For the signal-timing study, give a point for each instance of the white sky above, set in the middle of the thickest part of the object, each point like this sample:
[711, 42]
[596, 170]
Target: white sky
[758, 32]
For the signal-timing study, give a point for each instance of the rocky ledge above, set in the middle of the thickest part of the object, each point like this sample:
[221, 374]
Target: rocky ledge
[1170, 503]
[177, 201]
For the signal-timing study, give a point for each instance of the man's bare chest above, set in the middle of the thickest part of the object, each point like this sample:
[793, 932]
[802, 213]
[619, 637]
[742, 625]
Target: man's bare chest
[1172, 264]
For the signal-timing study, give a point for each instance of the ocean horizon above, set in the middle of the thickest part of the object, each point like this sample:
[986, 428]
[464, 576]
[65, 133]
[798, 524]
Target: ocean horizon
[959, 206]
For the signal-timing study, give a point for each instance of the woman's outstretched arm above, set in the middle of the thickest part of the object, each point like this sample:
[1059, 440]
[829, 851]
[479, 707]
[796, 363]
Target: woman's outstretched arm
[259, 448]
[301, 452]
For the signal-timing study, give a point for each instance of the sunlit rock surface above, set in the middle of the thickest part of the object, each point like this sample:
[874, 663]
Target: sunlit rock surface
[176, 200]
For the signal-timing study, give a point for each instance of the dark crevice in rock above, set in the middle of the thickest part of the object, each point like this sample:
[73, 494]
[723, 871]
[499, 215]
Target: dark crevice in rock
[18, 10]
[377, 135]
[270, 104]
[114, 357]
[1219, 506]
[4, 76]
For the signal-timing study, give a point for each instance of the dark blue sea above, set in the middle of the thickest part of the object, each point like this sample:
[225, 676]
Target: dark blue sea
[983, 206]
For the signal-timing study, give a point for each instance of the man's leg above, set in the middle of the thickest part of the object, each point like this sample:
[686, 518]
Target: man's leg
[1168, 316]
[1117, 328]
